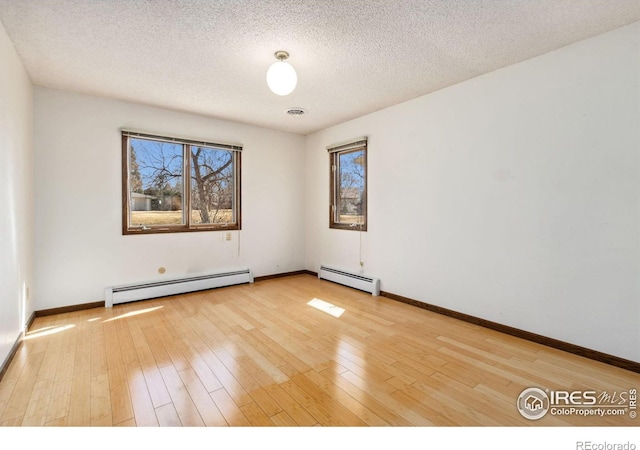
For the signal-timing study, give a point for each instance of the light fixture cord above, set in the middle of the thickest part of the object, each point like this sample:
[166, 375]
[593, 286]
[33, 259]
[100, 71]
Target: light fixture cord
[360, 235]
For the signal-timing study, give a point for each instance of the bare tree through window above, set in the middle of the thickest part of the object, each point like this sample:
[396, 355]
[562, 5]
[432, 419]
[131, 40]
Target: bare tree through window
[158, 199]
[212, 184]
[184, 186]
[349, 186]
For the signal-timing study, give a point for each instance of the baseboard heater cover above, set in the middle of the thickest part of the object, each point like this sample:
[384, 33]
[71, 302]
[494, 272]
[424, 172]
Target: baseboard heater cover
[361, 282]
[145, 291]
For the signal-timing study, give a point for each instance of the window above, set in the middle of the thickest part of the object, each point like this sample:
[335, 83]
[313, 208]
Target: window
[174, 185]
[348, 208]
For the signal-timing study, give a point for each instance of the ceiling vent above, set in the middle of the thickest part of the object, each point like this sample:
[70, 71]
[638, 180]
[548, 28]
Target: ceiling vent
[296, 112]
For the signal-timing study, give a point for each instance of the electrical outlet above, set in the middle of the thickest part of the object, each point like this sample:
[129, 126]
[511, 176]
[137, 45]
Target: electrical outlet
[227, 236]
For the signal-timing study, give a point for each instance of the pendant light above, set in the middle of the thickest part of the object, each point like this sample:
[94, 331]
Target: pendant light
[281, 76]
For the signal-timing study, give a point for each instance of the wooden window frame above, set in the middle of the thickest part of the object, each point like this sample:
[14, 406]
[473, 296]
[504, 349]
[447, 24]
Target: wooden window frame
[334, 154]
[187, 226]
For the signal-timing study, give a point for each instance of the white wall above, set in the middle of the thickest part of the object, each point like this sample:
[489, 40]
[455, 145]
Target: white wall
[80, 249]
[513, 197]
[16, 195]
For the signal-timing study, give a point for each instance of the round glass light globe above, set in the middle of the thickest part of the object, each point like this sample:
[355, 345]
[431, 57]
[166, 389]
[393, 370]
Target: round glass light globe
[282, 78]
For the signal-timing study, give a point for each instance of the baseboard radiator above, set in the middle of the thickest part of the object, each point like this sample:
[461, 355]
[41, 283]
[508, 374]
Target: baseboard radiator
[145, 291]
[361, 282]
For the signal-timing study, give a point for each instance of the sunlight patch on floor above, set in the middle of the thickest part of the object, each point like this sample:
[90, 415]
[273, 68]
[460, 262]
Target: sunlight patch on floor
[47, 331]
[327, 307]
[134, 313]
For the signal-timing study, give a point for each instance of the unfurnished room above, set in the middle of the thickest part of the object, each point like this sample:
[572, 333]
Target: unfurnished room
[415, 215]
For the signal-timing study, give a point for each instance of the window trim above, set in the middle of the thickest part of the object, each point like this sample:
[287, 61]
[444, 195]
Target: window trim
[187, 226]
[335, 151]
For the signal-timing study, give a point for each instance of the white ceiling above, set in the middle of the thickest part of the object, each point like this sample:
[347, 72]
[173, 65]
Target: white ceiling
[352, 57]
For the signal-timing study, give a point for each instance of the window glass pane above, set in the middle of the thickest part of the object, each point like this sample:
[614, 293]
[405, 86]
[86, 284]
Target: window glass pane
[351, 189]
[155, 183]
[212, 185]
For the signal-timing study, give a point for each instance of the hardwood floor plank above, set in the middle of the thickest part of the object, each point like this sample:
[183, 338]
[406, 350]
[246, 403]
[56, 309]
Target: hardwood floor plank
[83, 353]
[448, 405]
[128, 350]
[436, 418]
[228, 381]
[17, 364]
[156, 387]
[580, 373]
[232, 318]
[196, 353]
[172, 343]
[98, 348]
[307, 401]
[479, 402]
[244, 377]
[143, 410]
[256, 415]
[282, 419]
[182, 401]
[296, 345]
[6, 389]
[145, 360]
[232, 414]
[495, 374]
[36, 413]
[120, 398]
[121, 407]
[101, 401]
[334, 408]
[209, 412]
[254, 344]
[80, 401]
[20, 396]
[15, 422]
[335, 394]
[267, 403]
[413, 353]
[262, 369]
[387, 399]
[63, 380]
[158, 350]
[168, 416]
[380, 408]
[413, 371]
[127, 423]
[61, 422]
[299, 415]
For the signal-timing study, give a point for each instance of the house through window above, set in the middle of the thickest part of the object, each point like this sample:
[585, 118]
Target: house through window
[348, 209]
[176, 185]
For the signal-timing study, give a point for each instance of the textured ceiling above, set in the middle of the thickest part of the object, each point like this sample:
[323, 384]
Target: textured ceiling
[353, 57]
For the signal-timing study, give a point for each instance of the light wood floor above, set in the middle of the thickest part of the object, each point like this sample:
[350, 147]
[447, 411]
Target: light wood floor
[260, 355]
